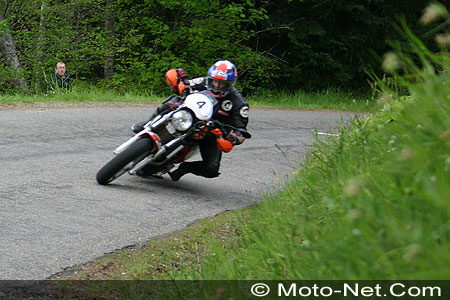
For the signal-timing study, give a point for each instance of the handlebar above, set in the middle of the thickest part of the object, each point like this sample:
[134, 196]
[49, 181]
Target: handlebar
[221, 125]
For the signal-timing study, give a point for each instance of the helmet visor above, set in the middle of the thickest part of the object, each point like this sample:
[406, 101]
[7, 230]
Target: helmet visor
[217, 85]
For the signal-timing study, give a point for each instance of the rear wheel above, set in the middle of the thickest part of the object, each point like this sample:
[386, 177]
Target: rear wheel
[122, 162]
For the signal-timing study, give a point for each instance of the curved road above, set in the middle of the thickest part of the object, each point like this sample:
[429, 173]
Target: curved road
[54, 215]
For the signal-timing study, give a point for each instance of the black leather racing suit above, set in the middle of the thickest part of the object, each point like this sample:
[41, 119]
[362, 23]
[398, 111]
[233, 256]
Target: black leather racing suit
[233, 111]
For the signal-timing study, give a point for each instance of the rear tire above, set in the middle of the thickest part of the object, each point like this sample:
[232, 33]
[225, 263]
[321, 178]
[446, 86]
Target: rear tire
[115, 167]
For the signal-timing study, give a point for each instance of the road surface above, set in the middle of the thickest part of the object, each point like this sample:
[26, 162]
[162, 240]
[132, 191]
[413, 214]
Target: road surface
[54, 214]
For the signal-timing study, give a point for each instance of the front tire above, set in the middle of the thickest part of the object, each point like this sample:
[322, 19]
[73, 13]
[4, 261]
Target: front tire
[116, 166]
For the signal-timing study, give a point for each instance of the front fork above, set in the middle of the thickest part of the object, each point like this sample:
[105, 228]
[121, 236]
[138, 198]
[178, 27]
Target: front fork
[170, 149]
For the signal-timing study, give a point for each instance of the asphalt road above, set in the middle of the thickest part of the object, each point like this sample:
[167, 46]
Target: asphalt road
[54, 215]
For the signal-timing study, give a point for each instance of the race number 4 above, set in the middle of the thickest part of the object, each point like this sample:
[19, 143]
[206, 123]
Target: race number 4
[200, 104]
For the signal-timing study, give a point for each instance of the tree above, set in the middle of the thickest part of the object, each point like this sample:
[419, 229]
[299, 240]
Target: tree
[331, 43]
[109, 41]
[286, 44]
[9, 52]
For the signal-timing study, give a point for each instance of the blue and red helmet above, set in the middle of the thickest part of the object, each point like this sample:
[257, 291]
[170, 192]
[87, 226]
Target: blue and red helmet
[224, 72]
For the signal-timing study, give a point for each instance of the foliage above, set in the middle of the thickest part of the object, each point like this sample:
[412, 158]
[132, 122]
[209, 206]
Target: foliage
[46, 32]
[371, 203]
[287, 44]
[332, 43]
[190, 34]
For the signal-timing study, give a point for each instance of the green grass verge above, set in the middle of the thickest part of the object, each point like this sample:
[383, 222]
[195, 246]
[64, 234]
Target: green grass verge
[370, 204]
[79, 94]
[301, 100]
[328, 99]
[162, 257]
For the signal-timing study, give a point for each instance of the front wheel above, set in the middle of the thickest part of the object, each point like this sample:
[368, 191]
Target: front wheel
[118, 165]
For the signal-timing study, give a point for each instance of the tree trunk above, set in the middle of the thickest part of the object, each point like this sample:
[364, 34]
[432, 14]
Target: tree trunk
[109, 41]
[8, 49]
[41, 33]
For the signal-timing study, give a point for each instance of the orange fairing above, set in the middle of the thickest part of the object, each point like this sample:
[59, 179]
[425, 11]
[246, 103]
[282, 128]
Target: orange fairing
[172, 77]
[181, 88]
[224, 145]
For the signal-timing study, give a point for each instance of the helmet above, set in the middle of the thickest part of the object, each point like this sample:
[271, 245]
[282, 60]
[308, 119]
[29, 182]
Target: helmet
[224, 72]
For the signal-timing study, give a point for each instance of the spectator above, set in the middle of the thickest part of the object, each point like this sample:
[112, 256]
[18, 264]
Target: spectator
[60, 79]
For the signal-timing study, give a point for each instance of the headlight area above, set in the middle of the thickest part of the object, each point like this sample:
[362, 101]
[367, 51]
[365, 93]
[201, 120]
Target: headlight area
[182, 120]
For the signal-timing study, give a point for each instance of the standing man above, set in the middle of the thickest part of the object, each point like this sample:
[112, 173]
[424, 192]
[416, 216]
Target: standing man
[60, 79]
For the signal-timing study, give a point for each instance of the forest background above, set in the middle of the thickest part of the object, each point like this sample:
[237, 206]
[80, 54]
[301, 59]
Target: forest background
[127, 45]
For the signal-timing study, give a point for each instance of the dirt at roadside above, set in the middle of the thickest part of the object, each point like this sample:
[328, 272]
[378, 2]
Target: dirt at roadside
[66, 105]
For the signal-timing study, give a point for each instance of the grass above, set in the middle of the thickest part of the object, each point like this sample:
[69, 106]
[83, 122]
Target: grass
[331, 99]
[162, 257]
[372, 203]
[83, 93]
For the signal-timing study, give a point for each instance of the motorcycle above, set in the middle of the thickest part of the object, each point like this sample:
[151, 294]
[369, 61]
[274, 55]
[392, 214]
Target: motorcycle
[168, 139]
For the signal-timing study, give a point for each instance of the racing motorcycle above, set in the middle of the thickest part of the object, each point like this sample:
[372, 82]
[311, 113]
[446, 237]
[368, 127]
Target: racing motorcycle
[168, 139]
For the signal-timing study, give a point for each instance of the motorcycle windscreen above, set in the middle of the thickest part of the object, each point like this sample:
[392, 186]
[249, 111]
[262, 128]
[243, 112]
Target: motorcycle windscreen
[201, 105]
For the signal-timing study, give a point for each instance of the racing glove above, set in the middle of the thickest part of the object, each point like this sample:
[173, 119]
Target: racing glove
[182, 73]
[235, 137]
[222, 143]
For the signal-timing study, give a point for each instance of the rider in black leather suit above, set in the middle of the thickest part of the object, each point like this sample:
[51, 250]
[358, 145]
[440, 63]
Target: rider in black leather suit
[233, 111]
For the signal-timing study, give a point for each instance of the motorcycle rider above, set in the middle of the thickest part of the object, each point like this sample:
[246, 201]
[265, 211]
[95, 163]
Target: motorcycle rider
[234, 111]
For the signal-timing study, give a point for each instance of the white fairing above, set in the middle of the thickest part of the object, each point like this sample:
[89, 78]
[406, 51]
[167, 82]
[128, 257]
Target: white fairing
[201, 105]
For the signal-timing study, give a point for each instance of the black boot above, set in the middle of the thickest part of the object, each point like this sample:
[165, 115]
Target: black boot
[178, 173]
